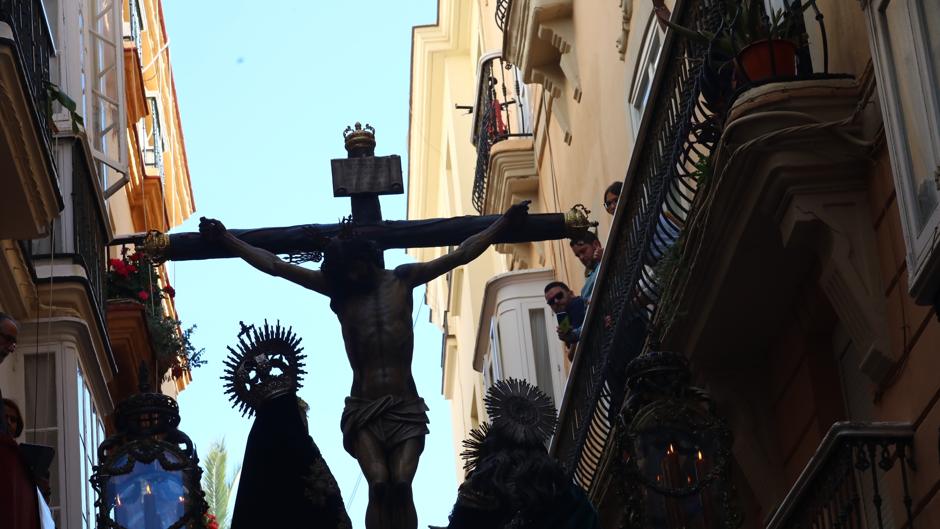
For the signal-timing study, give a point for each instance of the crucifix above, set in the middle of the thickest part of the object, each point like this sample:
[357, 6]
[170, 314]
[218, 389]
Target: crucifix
[384, 421]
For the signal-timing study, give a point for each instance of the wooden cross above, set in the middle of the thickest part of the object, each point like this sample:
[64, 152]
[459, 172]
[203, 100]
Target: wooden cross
[363, 177]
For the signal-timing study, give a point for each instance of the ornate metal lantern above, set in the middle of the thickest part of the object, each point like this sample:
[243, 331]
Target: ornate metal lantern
[148, 476]
[676, 452]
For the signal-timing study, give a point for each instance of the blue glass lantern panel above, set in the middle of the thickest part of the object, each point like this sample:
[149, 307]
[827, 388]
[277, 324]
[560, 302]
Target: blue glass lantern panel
[149, 497]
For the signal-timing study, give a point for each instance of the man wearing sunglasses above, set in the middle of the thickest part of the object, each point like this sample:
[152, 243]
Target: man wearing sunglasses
[569, 310]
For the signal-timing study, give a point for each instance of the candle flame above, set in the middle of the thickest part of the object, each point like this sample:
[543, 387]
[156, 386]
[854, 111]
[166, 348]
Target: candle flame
[147, 489]
[700, 456]
[659, 477]
[117, 500]
[671, 449]
[690, 480]
[181, 499]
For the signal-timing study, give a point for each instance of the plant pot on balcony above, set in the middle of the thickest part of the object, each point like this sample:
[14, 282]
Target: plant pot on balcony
[766, 59]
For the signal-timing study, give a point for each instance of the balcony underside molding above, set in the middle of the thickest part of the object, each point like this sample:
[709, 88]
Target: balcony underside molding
[31, 198]
[787, 202]
[513, 176]
[538, 39]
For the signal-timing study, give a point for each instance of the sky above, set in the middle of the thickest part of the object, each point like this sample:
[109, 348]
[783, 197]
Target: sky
[265, 90]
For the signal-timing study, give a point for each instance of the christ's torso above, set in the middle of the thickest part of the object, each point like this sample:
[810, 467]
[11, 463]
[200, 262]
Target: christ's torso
[379, 337]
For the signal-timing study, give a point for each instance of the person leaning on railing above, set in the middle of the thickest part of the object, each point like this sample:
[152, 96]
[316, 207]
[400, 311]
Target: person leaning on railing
[569, 311]
[587, 248]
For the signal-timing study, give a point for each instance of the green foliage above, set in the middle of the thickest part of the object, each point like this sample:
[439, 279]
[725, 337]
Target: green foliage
[744, 22]
[134, 277]
[216, 483]
[56, 95]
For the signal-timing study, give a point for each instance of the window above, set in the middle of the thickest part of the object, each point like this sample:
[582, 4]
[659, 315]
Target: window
[103, 86]
[60, 412]
[42, 416]
[153, 143]
[542, 354]
[90, 435]
[645, 71]
[906, 53]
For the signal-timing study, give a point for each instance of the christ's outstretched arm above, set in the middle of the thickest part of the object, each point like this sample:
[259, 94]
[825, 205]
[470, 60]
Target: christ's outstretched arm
[263, 260]
[471, 248]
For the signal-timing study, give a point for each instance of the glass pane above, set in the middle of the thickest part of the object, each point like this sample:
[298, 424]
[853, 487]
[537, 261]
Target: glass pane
[543, 360]
[41, 411]
[147, 498]
[931, 18]
[900, 29]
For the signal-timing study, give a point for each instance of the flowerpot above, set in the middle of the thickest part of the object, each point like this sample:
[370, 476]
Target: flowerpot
[766, 59]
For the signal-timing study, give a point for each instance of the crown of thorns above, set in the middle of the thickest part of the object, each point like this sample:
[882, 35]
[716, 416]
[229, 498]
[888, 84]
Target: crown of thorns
[268, 362]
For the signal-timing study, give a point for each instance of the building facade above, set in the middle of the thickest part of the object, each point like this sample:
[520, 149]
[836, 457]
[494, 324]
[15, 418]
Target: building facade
[93, 151]
[779, 230]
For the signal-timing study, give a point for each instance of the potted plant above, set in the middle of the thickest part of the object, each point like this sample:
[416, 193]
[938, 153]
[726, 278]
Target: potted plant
[762, 45]
[133, 278]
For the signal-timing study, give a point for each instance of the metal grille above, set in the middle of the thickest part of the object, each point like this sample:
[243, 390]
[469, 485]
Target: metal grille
[498, 91]
[842, 486]
[678, 132]
[27, 18]
[503, 7]
[89, 226]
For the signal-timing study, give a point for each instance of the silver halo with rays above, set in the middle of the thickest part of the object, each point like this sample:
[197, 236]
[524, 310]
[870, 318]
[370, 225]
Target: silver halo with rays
[520, 410]
[268, 363]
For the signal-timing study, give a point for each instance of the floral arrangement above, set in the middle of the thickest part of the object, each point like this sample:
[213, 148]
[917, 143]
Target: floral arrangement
[133, 277]
[209, 521]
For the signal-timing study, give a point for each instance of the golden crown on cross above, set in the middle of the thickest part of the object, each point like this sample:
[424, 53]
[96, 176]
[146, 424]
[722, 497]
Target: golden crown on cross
[359, 136]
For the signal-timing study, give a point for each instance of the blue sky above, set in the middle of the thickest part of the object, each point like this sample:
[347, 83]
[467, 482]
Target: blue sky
[265, 90]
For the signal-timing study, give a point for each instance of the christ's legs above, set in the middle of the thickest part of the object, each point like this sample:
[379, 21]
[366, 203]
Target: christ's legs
[403, 462]
[372, 461]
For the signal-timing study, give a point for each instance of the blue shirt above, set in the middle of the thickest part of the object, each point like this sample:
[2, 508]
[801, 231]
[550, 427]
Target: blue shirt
[588, 287]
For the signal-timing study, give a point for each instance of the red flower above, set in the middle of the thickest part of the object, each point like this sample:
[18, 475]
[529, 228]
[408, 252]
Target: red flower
[121, 270]
[135, 256]
[143, 295]
[115, 262]
[131, 269]
[170, 291]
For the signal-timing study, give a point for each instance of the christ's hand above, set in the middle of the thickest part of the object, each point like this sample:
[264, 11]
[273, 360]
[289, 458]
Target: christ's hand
[212, 230]
[517, 213]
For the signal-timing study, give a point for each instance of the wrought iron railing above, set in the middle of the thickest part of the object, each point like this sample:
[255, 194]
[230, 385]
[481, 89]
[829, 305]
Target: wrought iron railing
[498, 91]
[844, 485]
[27, 19]
[135, 26]
[502, 13]
[682, 123]
[676, 134]
[89, 226]
[153, 148]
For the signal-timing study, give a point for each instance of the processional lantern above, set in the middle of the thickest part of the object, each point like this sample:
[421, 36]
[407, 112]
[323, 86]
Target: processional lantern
[148, 475]
[675, 450]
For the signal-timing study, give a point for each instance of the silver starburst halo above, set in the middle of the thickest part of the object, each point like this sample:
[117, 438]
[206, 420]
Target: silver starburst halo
[521, 411]
[268, 362]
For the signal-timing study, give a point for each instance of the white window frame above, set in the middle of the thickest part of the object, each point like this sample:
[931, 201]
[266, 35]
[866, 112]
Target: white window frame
[114, 156]
[646, 64]
[921, 240]
[75, 509]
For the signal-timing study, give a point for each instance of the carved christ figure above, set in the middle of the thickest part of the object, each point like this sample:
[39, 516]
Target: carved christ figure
[384, 421]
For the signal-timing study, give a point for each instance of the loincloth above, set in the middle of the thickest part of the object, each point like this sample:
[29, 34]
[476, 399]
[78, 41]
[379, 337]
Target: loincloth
[391, 419]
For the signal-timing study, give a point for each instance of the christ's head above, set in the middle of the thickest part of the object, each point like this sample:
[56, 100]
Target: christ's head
[354, 262]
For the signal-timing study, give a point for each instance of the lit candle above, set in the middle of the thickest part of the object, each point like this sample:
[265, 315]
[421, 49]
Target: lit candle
[151, 519]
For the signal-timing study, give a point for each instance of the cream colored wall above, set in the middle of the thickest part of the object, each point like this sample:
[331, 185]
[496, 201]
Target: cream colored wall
[442, 161]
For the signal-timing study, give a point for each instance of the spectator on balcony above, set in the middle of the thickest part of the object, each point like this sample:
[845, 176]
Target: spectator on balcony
[611, 196]
[9, 330]
[587, 248]
[13, 418]
[569, 311]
